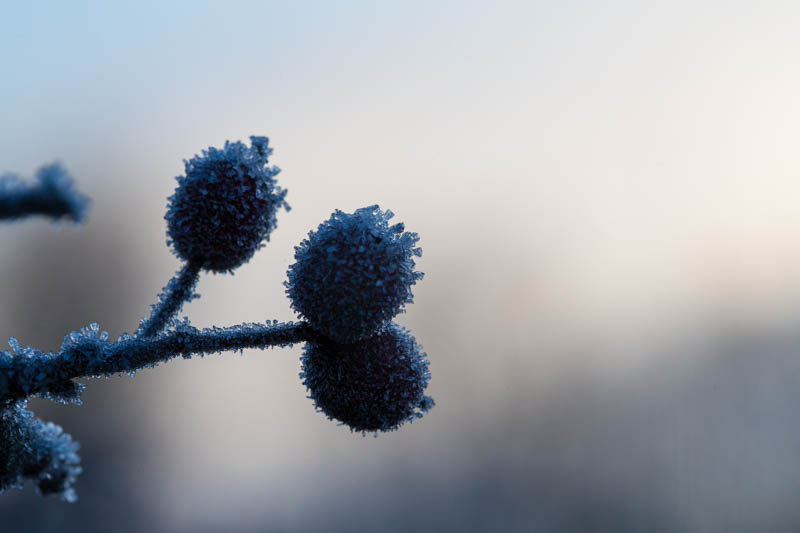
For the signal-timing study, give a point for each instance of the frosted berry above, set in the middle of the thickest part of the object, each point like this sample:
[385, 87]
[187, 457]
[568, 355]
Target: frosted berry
[225, 207]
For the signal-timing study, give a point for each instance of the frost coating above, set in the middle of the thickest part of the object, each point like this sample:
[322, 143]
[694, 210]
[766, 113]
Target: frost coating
[32, 449]
[53, 195]
[225, 206]
[353, 274]
[375, 384]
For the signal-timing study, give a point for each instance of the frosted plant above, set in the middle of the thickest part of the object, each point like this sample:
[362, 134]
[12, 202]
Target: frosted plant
[351, 277]
[52, 195]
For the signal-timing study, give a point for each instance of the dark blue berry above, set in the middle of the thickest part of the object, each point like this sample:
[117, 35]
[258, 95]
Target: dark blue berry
[353, 274]
[375, 384]
[225, 206]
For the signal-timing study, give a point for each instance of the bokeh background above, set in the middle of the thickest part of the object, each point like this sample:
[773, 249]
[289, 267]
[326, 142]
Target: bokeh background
[607, 199]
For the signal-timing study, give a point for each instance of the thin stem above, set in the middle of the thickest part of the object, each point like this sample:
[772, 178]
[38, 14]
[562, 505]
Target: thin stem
[178, 291]
[89, 354]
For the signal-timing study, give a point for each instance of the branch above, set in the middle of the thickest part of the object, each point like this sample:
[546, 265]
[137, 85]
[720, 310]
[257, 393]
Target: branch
[89, 353]
[53, 196]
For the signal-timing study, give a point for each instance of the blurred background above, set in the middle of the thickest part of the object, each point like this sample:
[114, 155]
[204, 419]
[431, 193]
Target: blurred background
[606, 194]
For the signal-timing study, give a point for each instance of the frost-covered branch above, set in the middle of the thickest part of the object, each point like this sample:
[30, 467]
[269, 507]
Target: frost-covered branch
[52, 195]
[350, 278]
[26, 371]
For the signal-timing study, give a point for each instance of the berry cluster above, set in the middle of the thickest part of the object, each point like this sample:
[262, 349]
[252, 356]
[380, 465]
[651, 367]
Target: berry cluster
[351, 277]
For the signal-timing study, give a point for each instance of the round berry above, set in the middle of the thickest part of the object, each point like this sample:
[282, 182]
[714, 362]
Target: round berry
[225, 207]
[375, 384]
[353, 274]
